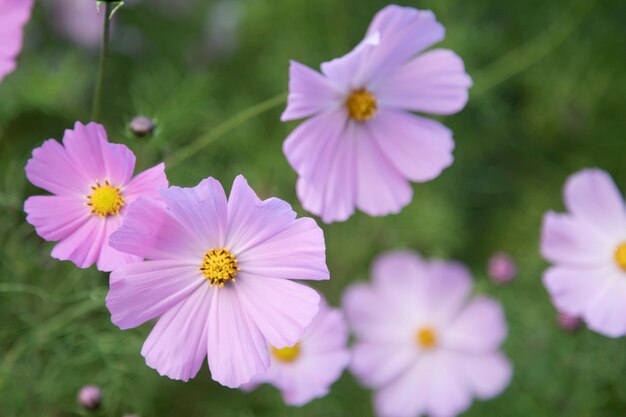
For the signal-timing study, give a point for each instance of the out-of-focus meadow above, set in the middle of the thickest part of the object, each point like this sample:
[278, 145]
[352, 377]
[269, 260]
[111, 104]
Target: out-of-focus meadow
[548, 100]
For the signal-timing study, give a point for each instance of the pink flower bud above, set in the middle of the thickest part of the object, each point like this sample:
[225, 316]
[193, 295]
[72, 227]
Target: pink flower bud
[90, 397]
[569, 322]
[501, 268]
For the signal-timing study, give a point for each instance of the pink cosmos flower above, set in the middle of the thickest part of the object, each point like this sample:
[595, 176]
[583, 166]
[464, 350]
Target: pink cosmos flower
[306, 370]
[92, 185]
[14, 14]
[422, 345]
[587, 246]
[219, 277]
[362, 145]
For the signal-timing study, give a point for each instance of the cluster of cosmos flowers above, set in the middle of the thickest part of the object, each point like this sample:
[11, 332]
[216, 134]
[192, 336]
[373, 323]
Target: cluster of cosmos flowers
[221, 273]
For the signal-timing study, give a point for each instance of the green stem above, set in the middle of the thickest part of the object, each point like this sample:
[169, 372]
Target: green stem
[104, 54]
[194, 147]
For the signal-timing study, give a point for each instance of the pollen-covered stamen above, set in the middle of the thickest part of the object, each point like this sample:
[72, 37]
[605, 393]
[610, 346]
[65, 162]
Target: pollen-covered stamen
[287, 354]
[219, 266]
[361, 105]
[620, 256]
[426, 338]
[105, 200]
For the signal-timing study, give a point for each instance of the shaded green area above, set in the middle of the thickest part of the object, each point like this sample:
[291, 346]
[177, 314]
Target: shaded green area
[548, 100]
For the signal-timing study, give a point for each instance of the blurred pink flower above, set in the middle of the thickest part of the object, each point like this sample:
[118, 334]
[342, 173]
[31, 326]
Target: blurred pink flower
[14, 14]
[77, 20]
[92, 185]
[569, 322]
[362, 145]
[501, 268]
[306, 370]
[219, 277]
[90, 397]
[588, 247]
[421, 344]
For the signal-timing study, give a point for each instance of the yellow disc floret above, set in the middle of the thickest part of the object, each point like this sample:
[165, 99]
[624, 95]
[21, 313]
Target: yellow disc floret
[426, 338]
[620, 256]
[219, 266]
[361, 105]
[105, 200]
[287, 354]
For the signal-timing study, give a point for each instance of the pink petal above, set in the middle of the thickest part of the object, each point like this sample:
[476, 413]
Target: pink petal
[399, 278]
[592, 195]
[279, 308]
[606, 312]
[447, 286]
[377, 364]
[237, 350]
[488, 375]
[84, 245]
[177, 344]
[347, 73]
[110, 258]
[327, 333]
[13, 16]
[405, 396]
[56, 217]
[381, 188]
[420, 149]
[53, 170]
[480, 327]
[447, 393]
[147, 183]
[573, 289]
[568, 240]
[142, 291]
[297, 252]
[97, 159]
[309, 93]
[434, 82]
[201, 211]
[252, 222]
[404, 32]
[150, 231]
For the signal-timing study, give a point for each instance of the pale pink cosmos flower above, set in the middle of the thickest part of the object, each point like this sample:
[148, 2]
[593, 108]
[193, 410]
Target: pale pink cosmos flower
[306, 370]
[14, 14]
[219, 277]
[587, 246]
[362, 145]
[92, 186]
[422, 344]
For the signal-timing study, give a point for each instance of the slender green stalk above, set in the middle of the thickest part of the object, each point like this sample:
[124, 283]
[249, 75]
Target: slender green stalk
[194, 147]
[104, 54]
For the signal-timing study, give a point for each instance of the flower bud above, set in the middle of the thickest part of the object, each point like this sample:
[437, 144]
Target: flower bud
[569, 322]
[142, 126]
[501, 268]
[90, 397]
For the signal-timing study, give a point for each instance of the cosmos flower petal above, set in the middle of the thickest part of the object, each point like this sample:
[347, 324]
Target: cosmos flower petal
[378, 364]
[592, 196]
[237, 349]
[252, 222]
[434, 82]
[488, 375]
[310, 93]
[567, 240]
[405, 395]
[606, 313]
[84, 245]
[327, 332]
[201, 211]
[573, 289]
[480, 327]
[446, 287]
[111, 258]
[142, 291]
[150, 231]
[404, 32]
[97, 159]
[420, 149]
[279, 308]
[147, 183]
[177, 345]
[347, 72]
[13, 16]
[447, 394]
[297, 252]
[381, 188]
[55, 217]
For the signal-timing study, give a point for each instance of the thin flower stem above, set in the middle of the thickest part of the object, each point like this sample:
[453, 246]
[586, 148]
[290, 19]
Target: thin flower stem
[104, 54]
[194, 147]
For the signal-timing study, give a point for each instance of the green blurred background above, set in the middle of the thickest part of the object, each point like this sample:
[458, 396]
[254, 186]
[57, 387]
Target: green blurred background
[548, 100]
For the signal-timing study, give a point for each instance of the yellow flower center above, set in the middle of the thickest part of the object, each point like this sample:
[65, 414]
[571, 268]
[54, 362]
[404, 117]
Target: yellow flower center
[620, 256]
[288, 354]
[219, 266]
[426, 338]
[361, 105]
[105, 200]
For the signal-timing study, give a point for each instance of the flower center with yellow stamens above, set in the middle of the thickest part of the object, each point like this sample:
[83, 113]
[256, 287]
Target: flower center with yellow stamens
[426, 338]
[620, 256]
[287, 354]
[219, 266]
[105, 200]
[361, 105]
